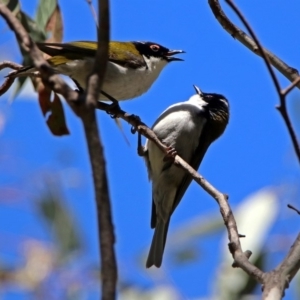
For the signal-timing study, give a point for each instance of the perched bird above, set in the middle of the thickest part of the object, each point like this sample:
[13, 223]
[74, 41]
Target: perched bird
[189, 127]
[132, 66]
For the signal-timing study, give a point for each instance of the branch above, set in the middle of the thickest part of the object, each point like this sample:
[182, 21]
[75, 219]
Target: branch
[8, 81]
[105, 224]
[85, 110]
[276, 281]
[48, 76]
[290, 73]
[240, 258]
[93, 11]
[282, 108]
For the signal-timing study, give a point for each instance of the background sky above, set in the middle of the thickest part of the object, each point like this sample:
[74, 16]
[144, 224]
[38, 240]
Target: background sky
[255, 151]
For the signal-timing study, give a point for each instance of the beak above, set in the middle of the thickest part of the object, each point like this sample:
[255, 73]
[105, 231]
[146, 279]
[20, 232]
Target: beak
[198, 91]
[169, 55]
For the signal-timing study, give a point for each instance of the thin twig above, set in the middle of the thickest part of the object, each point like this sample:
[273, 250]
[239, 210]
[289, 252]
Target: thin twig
[276, 281]
[9, 64]
[241, 36]
[93, 11]
[259, 46]
[6, 85]
[288, 89]
[282, 107]
[8, 81]
[294, 208]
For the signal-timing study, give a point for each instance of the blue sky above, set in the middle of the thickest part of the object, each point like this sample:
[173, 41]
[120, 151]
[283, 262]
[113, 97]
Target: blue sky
[254, 152]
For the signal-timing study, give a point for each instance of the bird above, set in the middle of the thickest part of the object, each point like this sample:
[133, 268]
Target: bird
[189, 128]
[131, 70]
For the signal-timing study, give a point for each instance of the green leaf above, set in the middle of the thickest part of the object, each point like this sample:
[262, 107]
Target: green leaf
[60, 220]
[44, 12]
[37, 35]
[36, 32]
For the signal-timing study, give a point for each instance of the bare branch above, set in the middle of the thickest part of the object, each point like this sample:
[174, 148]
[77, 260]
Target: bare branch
[93, 11]
[8, 81]
[290, 87]
[6, 85]
[49, 78]
[289, 72]
[294, 208]
[87, 114]
[276, 281]
[95, 79]
[282, 108]
[240, 258]
[259, 46]
[9, 64]
[105, 223]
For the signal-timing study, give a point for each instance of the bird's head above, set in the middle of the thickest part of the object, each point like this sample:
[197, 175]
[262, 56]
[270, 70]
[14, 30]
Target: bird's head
[154, 51]
[217, 109]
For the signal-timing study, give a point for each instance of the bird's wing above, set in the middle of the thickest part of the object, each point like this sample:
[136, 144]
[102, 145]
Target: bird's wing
[195, 162]
[71, 50]
[124, 54]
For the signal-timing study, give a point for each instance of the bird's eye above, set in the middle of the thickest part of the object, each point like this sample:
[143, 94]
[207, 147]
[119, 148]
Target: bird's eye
[154, 48]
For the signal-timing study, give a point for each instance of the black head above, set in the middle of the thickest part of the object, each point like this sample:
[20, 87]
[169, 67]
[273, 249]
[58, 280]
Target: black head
[214, 101]
[150, 49]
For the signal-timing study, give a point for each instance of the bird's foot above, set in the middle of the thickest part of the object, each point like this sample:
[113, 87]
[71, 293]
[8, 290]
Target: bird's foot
[113, 109]
[170, 153]
[134, 119]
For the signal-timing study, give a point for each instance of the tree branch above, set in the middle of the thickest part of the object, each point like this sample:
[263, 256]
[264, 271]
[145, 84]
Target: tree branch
[95, 148]
[276, 281]
[289, 72]
[85, 110]
[240, 258]
[282, 107]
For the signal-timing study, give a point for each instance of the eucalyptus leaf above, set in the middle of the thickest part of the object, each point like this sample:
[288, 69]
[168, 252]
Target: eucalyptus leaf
[44, 12]
[60, 220]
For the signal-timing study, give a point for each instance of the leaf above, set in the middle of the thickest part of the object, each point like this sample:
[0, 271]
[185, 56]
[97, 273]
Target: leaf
[60, 221]
[37, 35]
[55, 26]
[36, 32]
[185, 255]
[56, 119]
[44, 12]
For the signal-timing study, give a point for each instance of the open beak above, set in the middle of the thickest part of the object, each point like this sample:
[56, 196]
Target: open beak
[169, 55]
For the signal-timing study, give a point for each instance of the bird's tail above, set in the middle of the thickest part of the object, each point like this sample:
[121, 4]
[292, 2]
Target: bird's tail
[158, 244]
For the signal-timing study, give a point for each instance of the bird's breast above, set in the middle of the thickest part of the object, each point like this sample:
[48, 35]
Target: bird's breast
[120, 82]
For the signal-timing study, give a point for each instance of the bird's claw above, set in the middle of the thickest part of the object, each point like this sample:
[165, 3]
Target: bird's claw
[112, 109]
[170, 153]
[135, 119]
